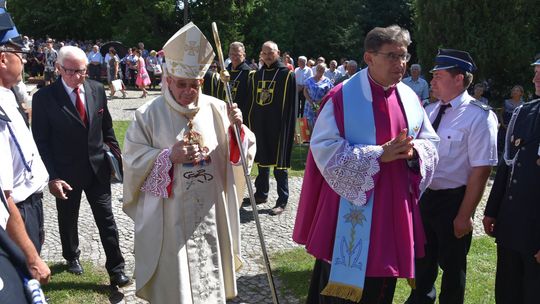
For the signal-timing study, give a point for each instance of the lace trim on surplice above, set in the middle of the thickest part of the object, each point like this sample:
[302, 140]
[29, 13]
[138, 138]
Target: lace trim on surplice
[427, 152]
[350, 172]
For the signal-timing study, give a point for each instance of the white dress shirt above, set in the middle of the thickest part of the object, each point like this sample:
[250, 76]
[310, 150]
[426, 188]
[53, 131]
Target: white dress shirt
[468, 139]
[72, 95]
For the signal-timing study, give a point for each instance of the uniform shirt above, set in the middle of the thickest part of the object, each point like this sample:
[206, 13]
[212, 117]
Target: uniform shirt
[25, 182]
[94, 57]
[468, 139]
[301, 75]
[6, 171]
[4, 214]
[419, 86]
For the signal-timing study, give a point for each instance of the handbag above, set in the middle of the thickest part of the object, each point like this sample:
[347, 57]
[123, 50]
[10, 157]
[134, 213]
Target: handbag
[302, 131]
[114, 158]
[157, 70]
[118, 84]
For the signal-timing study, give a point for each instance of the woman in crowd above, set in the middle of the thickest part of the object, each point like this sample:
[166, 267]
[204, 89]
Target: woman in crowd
[479, 89]
[315, 88]
[151, 63]
[113, 74]
[516, 99]
[143, 79]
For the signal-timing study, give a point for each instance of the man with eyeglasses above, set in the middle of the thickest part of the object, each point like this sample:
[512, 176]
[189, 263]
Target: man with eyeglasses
[239, 71]
[467, 151]
[181, 165]
[23, 175]
[73, 130]
[372, 152]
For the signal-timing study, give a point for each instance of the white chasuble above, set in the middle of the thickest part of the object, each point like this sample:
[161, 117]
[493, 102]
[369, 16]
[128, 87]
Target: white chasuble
[187, 245]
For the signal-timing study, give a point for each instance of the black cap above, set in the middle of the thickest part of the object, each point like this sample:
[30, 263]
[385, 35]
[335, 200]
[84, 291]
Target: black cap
[449, 58]
[9, 36]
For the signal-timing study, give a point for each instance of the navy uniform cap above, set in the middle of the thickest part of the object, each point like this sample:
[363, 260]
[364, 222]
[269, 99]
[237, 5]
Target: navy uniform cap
[8, 31]
[449, 58]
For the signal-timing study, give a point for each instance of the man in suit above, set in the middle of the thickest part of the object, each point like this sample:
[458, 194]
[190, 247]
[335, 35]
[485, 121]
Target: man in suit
[72, 127]
[512, 213]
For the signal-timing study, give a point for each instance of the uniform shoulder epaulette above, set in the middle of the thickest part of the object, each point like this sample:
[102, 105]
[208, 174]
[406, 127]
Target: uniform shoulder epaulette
[3, 115]
[481, 105]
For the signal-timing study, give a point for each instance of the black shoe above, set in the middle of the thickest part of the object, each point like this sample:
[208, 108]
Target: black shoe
[258, 200]
[120, 279]
[75, 267]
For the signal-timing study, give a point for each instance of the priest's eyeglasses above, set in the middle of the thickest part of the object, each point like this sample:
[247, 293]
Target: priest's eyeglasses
[72, 72]
[395, 57]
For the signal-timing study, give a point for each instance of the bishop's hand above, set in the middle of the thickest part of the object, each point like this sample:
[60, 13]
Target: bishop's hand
[184, 152]
[235, 115]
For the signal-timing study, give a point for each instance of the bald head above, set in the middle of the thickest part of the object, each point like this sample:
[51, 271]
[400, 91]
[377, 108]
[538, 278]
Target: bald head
[269, 53]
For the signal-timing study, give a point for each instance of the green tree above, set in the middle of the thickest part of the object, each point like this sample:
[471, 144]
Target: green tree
[500, 35]
[83, 19]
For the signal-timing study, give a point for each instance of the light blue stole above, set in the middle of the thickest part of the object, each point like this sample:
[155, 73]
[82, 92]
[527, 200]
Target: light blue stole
[351, 245]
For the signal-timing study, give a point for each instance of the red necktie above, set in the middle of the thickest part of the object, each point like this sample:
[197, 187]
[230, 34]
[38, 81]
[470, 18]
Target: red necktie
[80, 106]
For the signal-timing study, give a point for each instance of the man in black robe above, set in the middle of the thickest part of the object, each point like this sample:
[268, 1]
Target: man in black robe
[271, 116]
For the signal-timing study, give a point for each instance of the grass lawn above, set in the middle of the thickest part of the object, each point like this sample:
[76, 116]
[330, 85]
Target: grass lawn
[298, 158]
[294, 269]
[67, 288]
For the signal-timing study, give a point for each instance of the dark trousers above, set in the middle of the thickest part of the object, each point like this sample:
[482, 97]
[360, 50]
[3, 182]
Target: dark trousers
[438, 209]
[518, 277]
[99, 197]
[31, 210]
[301, 103]
[376, 290]
[94, 72]
[262, 184]
[132, 77]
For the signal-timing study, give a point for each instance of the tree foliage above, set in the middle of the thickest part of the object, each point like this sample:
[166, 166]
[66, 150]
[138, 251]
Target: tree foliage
[500, 35]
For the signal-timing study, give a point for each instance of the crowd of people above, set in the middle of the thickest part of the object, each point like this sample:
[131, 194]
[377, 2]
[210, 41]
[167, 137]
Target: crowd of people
[391, 182]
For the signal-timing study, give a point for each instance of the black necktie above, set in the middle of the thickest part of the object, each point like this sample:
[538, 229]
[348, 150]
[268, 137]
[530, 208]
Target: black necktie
[437, 120]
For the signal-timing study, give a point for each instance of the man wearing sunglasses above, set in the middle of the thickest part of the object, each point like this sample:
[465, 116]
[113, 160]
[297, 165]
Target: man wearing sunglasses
[73, 130]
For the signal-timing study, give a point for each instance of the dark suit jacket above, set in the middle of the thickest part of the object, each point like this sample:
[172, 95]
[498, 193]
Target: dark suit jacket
[70, 150]
[515, 197]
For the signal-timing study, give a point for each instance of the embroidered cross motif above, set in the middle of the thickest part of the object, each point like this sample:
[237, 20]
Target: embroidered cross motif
[265, 92]
[192, 48]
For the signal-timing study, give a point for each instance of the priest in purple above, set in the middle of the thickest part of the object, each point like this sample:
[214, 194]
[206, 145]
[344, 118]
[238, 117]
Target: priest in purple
[372, 153]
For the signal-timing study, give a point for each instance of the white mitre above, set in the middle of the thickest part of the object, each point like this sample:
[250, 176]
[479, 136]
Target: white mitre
[188, 54]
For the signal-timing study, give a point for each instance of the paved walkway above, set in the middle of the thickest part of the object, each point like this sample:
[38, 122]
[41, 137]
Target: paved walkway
[252, 280]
